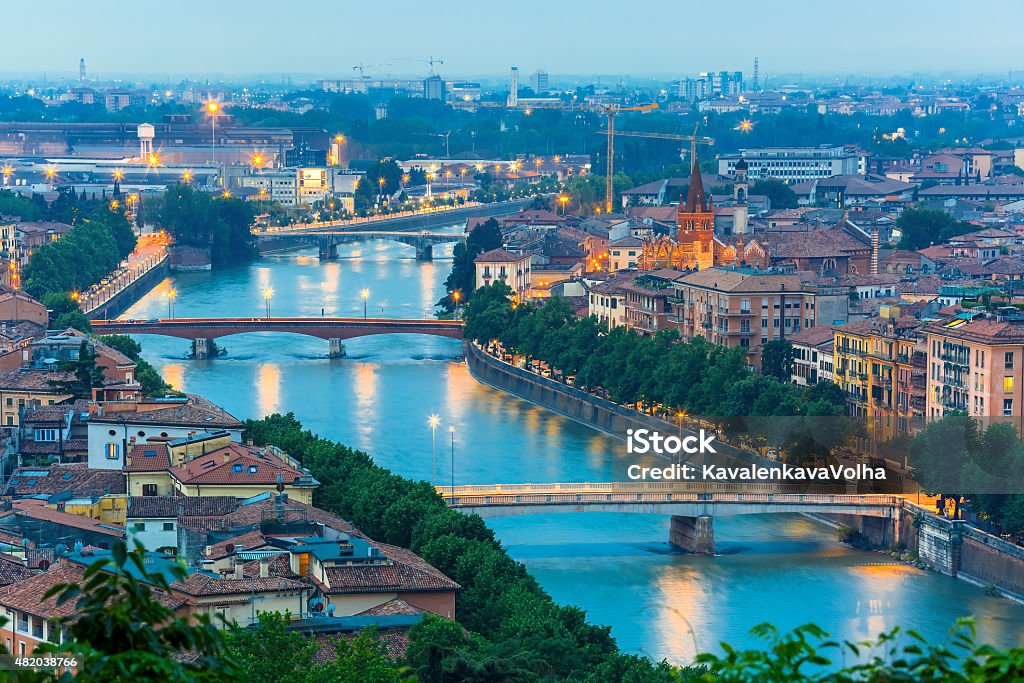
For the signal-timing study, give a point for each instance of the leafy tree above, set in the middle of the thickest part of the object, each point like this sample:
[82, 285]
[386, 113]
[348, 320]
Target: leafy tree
[483, 237]
[923, 227]
[197, 219]
[120, 631]
[86, 374]
[777, 360]
[779, 193]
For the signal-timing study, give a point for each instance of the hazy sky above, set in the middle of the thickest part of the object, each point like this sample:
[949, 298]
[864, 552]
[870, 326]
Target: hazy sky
[477, 37]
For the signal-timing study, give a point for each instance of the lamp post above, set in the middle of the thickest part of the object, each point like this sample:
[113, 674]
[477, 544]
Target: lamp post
[451, 430]
[366, 295]
[213, 107]
[171, 293]
[456, 295]
[563, 199]
[433, 421]
[267, 294]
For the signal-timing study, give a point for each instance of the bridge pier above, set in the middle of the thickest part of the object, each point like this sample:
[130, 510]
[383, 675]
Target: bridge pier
[424, 251]
[337, 349]
[693, 534]
[328, 250]
[202, 348]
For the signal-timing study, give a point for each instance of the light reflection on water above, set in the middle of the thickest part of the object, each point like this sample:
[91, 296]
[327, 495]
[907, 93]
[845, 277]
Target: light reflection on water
[785, 569]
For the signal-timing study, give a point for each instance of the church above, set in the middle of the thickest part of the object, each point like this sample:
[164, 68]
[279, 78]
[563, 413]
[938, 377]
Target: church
[695, 246]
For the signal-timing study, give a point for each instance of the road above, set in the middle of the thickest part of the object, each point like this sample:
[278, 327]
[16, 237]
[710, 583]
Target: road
[149, 252]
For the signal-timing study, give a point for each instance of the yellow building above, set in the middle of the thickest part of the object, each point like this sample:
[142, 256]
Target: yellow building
[19, 388]
[880, 365]
[109, 509]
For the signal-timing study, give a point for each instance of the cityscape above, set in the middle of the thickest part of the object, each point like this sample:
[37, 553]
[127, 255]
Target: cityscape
[481, 344]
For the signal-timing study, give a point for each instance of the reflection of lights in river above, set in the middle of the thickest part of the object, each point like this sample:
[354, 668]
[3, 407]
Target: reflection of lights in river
[268, 388]
[365, 389]
[174, 374]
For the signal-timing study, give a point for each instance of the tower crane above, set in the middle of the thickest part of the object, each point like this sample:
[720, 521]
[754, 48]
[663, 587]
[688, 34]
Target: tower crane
[431, 61]
[361, 68]
[611, 110]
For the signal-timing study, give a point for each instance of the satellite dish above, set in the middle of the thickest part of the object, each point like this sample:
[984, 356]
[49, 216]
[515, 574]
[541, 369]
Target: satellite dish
[229, 548]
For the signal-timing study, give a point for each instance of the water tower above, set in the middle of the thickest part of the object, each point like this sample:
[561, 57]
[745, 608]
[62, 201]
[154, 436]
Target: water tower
[146, 135]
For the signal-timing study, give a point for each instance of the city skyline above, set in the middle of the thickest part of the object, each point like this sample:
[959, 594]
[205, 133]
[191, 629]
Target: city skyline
[603, 38]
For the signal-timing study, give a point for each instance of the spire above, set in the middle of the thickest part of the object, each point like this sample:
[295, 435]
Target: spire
[696, 200]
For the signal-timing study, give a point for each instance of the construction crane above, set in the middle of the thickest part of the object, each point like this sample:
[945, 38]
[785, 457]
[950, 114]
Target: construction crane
[694, 139]
[361, 68]
[444, 135]
[430, 61]
[611, 110]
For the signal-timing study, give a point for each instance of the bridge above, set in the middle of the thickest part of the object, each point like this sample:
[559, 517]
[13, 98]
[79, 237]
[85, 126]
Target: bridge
[328, 239]
[335, 330]
[692, 505]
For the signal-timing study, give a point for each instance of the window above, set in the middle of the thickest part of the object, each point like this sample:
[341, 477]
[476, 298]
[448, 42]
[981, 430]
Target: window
[1008, 360]
[45, 435]
[1007, 407]
[1008, 384]
[149, 489]
[139, 526]
[168, 526]
[10, 401]
[113, 451]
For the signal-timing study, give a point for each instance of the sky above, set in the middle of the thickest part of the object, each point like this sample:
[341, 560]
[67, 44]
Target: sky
[475, 38]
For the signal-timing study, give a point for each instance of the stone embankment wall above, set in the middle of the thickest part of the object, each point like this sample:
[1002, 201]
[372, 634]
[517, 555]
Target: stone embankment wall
[120, 302]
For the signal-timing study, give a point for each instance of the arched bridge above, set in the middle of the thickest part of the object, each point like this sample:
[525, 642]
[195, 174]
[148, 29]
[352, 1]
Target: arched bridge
[692, 505]
[328, 239]
[335, 330]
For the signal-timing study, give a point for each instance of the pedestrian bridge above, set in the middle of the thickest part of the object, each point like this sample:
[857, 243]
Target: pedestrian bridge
[329, 239]
[335, 330]
[692, 505]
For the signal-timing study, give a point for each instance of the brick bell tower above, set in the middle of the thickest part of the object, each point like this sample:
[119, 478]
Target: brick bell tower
[696, 221]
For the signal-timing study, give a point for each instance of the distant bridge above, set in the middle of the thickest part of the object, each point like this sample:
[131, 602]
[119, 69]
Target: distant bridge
[692, 505]
[335, 330]
[328, 239]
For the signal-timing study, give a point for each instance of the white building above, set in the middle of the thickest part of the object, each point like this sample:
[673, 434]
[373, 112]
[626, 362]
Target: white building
[793, 164]
[500, 264]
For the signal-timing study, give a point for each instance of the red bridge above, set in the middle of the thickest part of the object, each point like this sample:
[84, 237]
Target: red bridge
[203, 330]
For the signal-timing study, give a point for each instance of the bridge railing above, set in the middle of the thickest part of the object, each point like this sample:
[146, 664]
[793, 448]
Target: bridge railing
[640, 486]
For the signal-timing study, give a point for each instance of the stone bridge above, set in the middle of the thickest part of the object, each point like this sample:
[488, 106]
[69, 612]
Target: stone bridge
[329, 239]
[692, 505]
[335, 330]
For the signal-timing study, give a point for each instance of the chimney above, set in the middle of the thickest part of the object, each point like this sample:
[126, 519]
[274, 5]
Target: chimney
[874, 251]
[239, 570]
[248, 442]
[264, 568]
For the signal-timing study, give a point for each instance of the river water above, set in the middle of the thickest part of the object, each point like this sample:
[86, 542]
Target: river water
[785, 569]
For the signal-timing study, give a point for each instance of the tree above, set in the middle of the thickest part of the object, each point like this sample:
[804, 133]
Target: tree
[940, 452]
[777, 360]
[145, 374]
[86, 374]
[779, 193]
[483, 237]
[121, 631]
[921, 228]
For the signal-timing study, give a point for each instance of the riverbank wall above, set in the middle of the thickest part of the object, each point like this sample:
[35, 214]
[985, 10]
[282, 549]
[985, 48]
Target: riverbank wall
[947, 546]
[123, 300]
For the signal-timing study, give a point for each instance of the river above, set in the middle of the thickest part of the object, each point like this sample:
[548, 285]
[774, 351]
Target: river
[785, 569]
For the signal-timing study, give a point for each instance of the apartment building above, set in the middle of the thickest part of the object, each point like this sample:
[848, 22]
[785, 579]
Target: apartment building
[501, 264]
[880, 364]
[648, 307]
[975, 366]
[792, 164]
[813, 358]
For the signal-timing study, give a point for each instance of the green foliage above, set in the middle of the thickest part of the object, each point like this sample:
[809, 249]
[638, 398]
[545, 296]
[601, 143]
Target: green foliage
[12, 204]
[145, 374]
[516, 631]
[369, 187]
[91, 250]
[86, 374]
[777, 359]
[198, 219]
[809, 655]
[924, 227]
[779, 193]
[121, 631]
[269, 653]
[483, 237]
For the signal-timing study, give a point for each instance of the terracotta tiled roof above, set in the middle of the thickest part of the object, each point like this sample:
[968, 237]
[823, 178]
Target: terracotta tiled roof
[38, 381]
[812, 336]
[197, 412]
[12, 570]
[394, 606]
[250, 540]
[176, 506]
[36, 509]
[148, 457]
[76, 478]
[394, 640]
[199, 584]
[237, 464]
[407, 573]
[251, 514]
[498, 256]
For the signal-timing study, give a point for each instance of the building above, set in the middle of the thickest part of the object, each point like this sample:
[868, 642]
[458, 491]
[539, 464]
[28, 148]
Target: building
[606, 301]
[792, 164]
[647, 300]
[16, 305]
[975, 364]
[625, 254]
[747, 307]
[500, 264]
[114, 429]
[434, 88]
[813, 358]
[540, 82]
[880, 365]
[22, 388]
[846, 191]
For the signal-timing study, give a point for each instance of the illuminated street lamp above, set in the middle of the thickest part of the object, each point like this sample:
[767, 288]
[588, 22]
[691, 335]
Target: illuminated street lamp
[212, 107]
[745, 125]
[456, 295]
[153, 160]
[563, 199]
[51, 173]
[7, 174]
[267, 294]
[171, 294]
[366, 295]
[257, 161]
[433, 421]
[451, 430]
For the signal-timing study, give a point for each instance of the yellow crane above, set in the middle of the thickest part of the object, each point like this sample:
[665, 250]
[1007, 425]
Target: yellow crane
[610, 110]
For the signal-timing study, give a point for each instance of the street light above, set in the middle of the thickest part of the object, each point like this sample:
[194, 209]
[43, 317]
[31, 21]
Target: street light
[267, 293]
[213, 107]
[366, 295]
[456, 295]
[171, 293]
[451, 430]
[563, 199]
[433, 421]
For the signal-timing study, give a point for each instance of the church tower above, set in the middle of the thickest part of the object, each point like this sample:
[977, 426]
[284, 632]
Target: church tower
[740, 193]
[696, 221]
